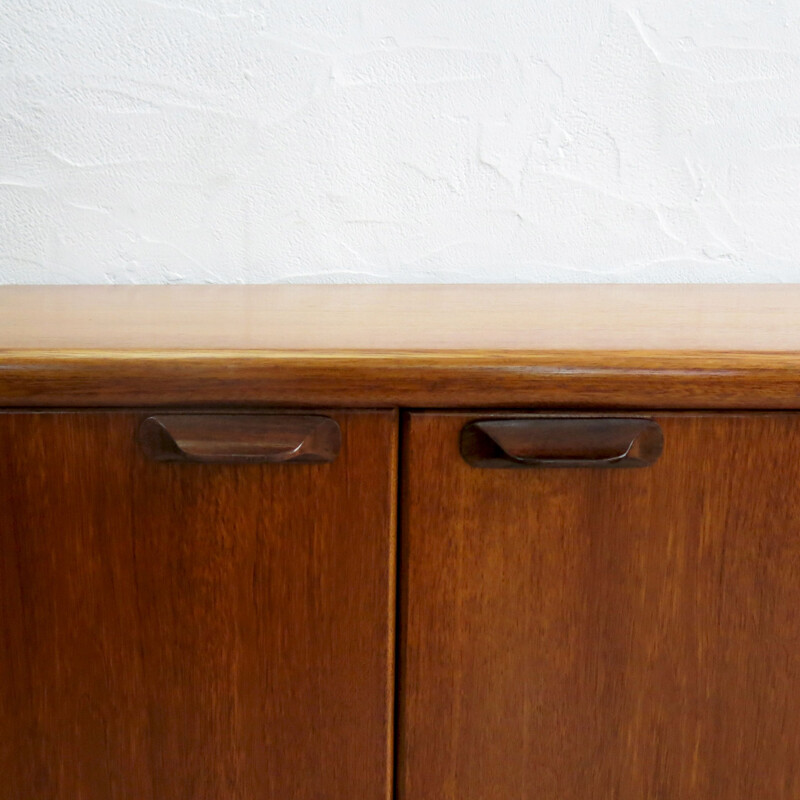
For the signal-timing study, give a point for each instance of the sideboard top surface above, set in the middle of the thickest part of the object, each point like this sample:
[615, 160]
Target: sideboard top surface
[599, 346]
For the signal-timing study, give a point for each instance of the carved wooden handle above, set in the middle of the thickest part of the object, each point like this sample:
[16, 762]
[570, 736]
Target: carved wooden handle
[561, 442]
[240, 438]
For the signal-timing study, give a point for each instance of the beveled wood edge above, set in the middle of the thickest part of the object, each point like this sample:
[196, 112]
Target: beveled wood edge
[419, 379]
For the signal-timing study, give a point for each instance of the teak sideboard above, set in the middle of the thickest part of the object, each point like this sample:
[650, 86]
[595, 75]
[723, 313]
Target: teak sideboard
[438, 543]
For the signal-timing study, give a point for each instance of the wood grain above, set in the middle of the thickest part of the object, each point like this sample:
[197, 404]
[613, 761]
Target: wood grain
[192, 631]
[417, 346]
[626, 634]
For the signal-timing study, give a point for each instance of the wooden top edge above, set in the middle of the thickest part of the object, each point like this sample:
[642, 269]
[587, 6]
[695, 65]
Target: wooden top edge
[643, 360]
[412, 380]
[413, 346]
[402, 319]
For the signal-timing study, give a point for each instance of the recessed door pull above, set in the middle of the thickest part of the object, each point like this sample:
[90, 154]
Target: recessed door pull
[240, 438]
[548, 442]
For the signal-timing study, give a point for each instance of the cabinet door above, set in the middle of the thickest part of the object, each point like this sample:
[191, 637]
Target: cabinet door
[193, 631]
[583, 633]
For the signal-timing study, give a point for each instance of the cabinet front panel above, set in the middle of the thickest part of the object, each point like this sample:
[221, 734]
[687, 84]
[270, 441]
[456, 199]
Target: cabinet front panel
[584, 633]
[193, 631]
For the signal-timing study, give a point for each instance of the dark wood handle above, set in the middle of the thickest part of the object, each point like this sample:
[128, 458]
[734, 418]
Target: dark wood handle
[548, 442]
[240, 438]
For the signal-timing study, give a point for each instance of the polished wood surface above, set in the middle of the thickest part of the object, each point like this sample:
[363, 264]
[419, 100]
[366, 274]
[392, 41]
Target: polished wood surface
[402, 318]
[418, 346]
[627, 634]
[193, 631]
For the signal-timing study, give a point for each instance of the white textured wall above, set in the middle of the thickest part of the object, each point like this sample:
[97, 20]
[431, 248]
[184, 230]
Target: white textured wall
[407, 140]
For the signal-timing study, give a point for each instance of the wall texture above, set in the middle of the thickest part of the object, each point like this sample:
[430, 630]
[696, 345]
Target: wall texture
[400, 141]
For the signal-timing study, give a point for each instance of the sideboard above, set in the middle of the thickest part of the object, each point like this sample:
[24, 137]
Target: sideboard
[431, 542]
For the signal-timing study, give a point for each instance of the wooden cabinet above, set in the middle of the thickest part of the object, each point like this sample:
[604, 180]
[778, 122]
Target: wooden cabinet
[193, 630]
[568, 514]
